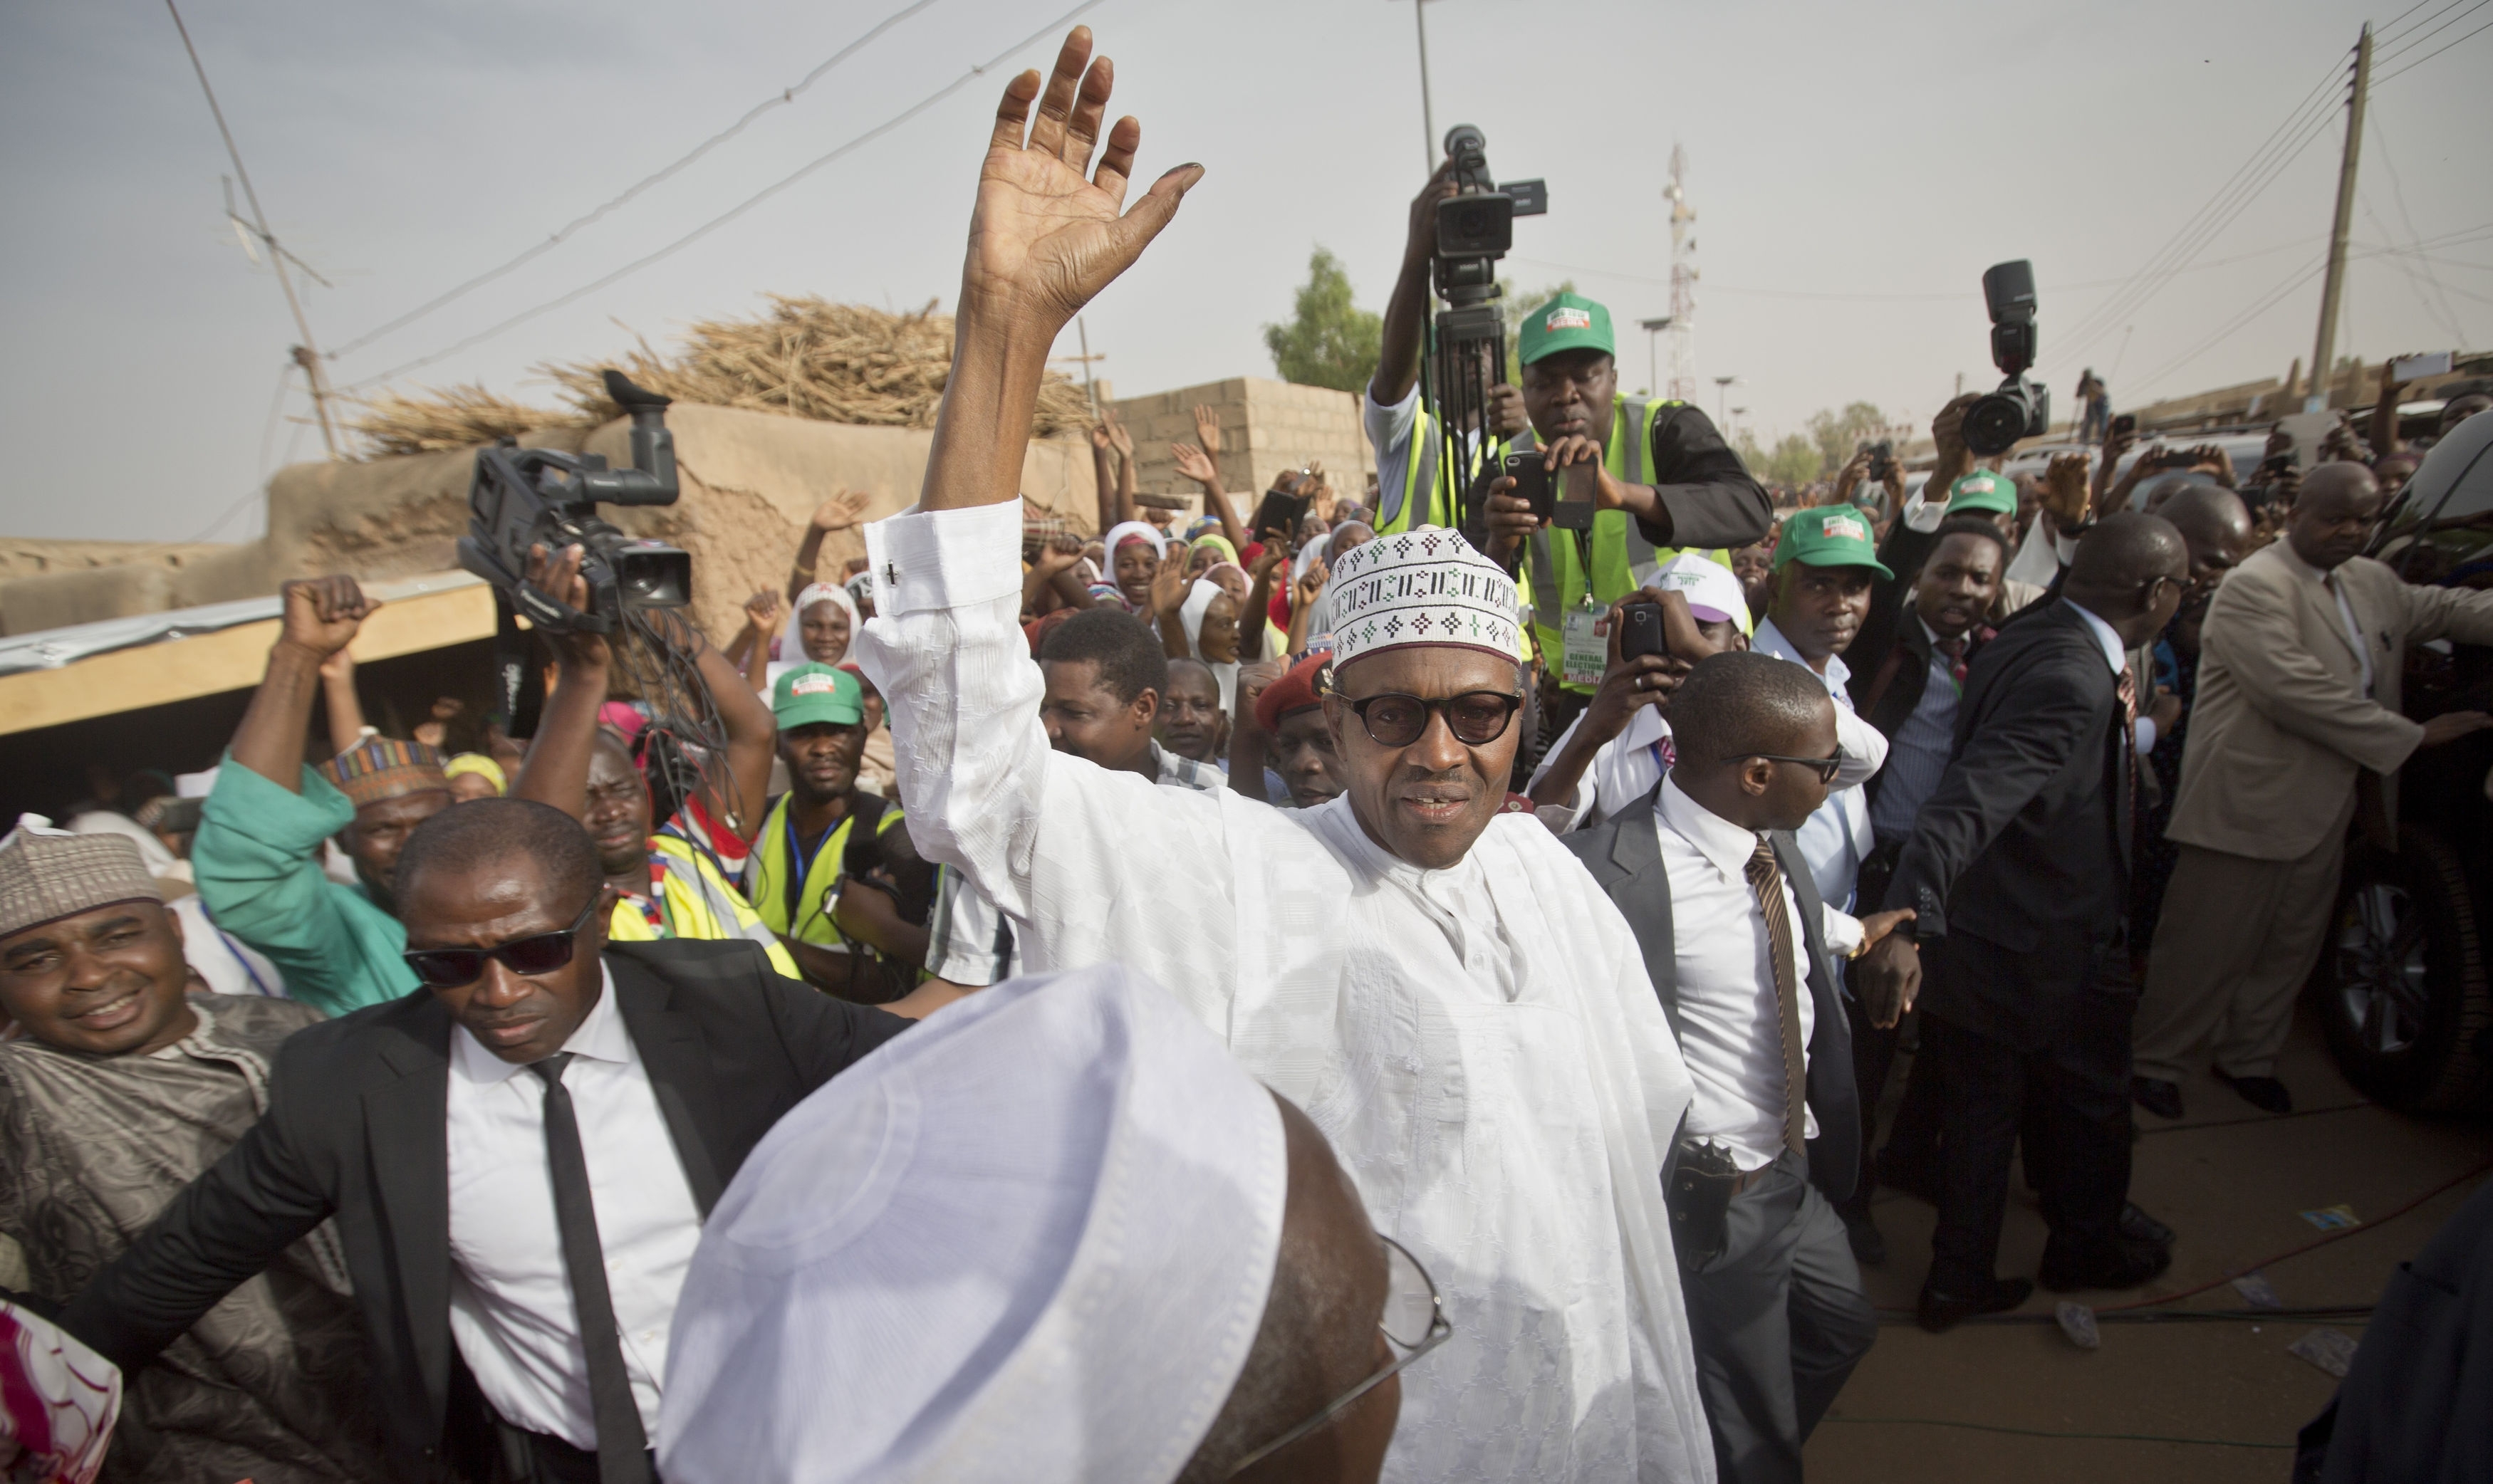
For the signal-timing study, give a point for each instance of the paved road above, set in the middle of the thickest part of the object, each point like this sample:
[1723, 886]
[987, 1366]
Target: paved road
[2232, 1181]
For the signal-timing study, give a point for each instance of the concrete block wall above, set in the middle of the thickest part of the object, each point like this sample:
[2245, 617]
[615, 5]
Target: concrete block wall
[1265, 427]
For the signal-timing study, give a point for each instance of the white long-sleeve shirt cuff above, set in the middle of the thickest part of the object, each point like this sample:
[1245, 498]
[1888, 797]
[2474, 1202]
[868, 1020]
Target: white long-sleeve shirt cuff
[1842, 931]
[927, 561]
[1924, 516]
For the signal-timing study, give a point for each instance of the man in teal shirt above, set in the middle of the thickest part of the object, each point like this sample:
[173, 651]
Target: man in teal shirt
[257, 857]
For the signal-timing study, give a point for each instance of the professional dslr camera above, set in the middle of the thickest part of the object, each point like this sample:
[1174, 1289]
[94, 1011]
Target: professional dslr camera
[524, 498]
[2019, 408]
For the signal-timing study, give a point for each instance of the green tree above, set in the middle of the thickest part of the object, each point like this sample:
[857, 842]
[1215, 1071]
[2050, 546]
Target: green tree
[1793, 461]
[1329, 341]
[1836, 434]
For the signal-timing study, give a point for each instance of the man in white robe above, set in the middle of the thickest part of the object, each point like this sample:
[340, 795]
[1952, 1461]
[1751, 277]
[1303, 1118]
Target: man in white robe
[1440, 986]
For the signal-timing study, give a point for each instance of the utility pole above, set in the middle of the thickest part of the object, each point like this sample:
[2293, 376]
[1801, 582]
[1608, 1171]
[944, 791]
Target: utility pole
[2318, 400]
[1427, 108]
[1723, 396]
[306, 355]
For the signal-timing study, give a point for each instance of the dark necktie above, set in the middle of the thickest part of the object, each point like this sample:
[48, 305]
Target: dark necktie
[2127, 690]
[622, 1447]
[1954, 650]
[1766, 880]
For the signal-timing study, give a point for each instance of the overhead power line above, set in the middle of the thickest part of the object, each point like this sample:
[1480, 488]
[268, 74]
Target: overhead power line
[778, 100]
[740, 208]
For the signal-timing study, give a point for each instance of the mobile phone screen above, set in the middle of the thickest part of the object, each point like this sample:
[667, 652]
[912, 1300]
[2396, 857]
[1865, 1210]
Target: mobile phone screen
[1578, 484]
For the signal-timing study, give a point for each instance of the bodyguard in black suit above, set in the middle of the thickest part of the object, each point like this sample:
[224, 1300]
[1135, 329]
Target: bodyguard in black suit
[357, 1131]
[1706, 873]
[2017, 869]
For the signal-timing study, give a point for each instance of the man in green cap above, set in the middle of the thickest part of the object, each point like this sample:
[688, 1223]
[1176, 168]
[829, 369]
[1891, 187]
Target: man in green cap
[1660, 462]
[831, 873]
[1824, 566]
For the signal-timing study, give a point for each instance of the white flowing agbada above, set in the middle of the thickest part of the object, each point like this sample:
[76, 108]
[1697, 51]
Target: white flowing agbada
[1481, 1043]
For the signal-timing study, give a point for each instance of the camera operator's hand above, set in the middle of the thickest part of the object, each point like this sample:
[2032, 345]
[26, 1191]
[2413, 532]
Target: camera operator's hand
[1890, 975]
[1849, 478]
[1953, 460]
[2065, 491]
[1508, 520]
[322, 614]
[557, 575]
[1507, 418]
[1420, 243]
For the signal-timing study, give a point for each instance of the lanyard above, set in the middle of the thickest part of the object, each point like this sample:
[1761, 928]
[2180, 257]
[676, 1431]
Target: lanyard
[800, 866]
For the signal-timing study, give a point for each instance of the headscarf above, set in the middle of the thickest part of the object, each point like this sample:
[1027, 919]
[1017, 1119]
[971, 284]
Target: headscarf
[1118, 535]
[1221, 544]
[482, 766]
[1198, 603]
[1307, 555]
[790, 650]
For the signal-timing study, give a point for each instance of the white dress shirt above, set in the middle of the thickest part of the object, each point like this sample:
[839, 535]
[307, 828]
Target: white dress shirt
[1481, 1043]
[1727, 1025]
[1836, 839]
[510, 1298]
[2118, 657]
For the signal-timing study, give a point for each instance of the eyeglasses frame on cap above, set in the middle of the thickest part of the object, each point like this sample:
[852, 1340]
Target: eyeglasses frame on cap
[1439, 1330]
[566, 937]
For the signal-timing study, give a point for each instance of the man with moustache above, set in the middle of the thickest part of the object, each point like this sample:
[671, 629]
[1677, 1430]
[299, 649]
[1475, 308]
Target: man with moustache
[1451, 999]
[1825, 566]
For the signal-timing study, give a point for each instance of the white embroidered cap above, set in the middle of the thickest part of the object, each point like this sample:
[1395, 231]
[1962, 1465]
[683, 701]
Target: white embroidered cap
[1422, 587]
[1030, 1239]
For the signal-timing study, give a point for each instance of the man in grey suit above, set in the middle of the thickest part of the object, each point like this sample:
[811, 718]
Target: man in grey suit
[1705, 871]
[2301, 656]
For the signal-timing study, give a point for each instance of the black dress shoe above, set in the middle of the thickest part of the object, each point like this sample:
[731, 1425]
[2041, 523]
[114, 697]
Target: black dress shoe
[1917, 1177]
[1869, 1246]
[2157, 1095]
[1940, 1311]
[2138, 1226]
[2128, 1265]
[2264, 1093]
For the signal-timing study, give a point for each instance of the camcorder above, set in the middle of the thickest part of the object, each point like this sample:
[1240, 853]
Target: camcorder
[2019, 408]
[525, 497]
[1467, 338]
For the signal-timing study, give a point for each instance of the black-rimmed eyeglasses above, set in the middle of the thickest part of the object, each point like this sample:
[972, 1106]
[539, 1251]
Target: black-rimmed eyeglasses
[1476, 718]
[1828, 768]
[542, 953]
[1414, 1323]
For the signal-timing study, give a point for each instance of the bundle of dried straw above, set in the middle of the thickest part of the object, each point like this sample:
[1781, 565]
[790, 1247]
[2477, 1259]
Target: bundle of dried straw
[807, 357]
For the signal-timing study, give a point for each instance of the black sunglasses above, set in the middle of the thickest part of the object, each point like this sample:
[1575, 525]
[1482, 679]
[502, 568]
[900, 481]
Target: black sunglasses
[1475, 717]
[1828, 768]
[450, 968]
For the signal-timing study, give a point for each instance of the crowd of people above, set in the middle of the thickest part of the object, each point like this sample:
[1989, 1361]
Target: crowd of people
[1315, 998]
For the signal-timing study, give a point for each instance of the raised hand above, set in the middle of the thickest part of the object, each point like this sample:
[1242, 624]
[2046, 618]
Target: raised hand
[1207, 429]
[1310, 585]
[1119, 436]
[761, 610]
[839, 513]
[1169, 583]
[1045, 240]
[322, 614]
[2065, 490]
[1193, 463]
[1060, 555]
[557, 575]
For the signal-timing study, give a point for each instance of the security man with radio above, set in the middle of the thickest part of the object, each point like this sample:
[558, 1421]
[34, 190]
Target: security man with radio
[1661, 480]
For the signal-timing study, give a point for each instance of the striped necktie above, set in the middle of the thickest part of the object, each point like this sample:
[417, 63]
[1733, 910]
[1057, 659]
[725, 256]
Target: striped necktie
[1766, 880]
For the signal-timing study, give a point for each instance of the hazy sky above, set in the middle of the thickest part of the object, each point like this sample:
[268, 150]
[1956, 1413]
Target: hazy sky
[1854, 168]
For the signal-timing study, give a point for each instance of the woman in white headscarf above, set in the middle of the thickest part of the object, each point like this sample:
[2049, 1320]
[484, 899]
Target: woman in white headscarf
[819, 626]
[1133, 550]
[1210, 618]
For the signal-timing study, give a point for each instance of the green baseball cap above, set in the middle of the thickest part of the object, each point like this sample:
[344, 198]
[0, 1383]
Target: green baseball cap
[1829, 536]
[810, 694]
[1982, 491]
[1568, 322]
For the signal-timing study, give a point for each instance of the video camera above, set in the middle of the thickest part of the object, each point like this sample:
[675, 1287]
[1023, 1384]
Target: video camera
[524, 498]
[2019, 408]
[1467, 342]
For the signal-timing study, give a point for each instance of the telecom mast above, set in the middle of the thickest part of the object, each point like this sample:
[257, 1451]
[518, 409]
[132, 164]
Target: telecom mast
[1682, 330]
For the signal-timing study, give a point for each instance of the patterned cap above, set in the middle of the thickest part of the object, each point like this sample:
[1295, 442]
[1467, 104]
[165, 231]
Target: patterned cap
[378, 769]
[1422, 587]
[47, 875]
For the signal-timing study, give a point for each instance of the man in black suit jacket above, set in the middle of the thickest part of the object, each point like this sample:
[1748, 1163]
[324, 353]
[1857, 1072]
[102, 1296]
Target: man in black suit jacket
[1706, 873]
[2018, 868]
[380, 1122]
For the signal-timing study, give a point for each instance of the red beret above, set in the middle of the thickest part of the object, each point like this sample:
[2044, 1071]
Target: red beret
[1293, 691]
